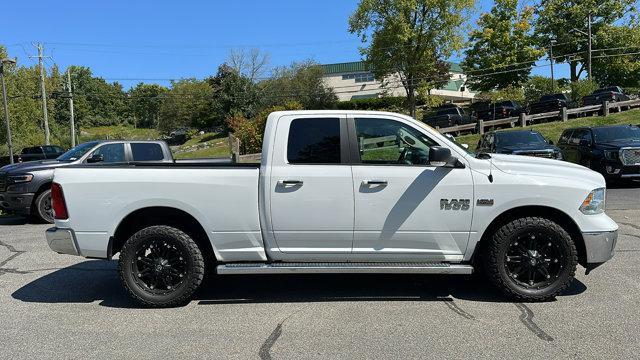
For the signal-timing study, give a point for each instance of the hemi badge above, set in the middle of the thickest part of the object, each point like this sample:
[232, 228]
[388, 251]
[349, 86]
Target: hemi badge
[484, 202]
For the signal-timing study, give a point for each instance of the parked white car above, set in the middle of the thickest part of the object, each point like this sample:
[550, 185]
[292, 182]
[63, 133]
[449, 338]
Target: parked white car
[338, 192]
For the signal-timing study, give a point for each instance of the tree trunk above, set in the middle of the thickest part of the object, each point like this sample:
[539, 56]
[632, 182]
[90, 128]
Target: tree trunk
[411, 101]
[573, 67]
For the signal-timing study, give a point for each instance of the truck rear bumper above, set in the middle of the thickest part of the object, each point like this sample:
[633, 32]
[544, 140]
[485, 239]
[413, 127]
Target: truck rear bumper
[600, 245]
[62, 241]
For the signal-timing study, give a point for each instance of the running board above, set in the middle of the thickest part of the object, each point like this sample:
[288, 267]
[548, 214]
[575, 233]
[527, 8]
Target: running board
[343, 268]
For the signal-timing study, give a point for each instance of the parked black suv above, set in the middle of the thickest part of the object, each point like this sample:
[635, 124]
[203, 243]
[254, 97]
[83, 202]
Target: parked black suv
[611, 94]
[613, 151]
[40, 153]
[447, 116]
[518, 142]
[552, 102]
[499, 110]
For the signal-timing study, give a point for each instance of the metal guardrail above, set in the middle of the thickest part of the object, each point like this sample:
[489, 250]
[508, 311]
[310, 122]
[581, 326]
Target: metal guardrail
[562, 115]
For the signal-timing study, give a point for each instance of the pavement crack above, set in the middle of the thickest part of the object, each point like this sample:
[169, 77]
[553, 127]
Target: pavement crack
[265, 348]
[630, 225]
[14, 254]
[631, 235]
[451, 304]
[527, 319]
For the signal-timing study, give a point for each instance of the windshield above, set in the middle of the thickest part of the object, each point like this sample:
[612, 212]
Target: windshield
[513, 138]
[77, 152]
[616, 133]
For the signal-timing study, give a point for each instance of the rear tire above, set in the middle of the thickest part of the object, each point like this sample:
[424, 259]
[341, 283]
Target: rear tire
[531, 259]
[42, 207]
[161, 266]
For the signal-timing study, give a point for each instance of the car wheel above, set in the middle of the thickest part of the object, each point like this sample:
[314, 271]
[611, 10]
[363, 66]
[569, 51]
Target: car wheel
[161, 266]
[531, 259]
[42, 207]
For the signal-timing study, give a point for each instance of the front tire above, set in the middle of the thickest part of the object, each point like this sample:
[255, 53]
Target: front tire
[161, 266]
[42, 207]
[531, 259]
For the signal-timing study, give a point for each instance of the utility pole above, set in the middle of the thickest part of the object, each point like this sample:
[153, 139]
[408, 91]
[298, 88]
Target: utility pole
[553, 81]
[43, 92]
[72, 121]
[589, 55]
[6, 106]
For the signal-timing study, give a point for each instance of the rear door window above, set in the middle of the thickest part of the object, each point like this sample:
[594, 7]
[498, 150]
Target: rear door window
[564, 138]
[146, 152]
[314, 141]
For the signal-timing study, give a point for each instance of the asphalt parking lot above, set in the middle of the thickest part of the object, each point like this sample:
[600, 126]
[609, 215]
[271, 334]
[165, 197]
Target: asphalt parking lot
[58, 306]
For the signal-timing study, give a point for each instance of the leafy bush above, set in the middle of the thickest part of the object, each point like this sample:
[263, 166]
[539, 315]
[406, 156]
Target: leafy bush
[582, 88]
[251, 131]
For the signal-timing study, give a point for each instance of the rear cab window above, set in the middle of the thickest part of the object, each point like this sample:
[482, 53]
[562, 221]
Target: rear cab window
[314, 141]
[146, 152]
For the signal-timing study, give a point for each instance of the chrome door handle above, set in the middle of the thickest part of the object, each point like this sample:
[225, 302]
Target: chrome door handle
[374, 182]
[290, 182]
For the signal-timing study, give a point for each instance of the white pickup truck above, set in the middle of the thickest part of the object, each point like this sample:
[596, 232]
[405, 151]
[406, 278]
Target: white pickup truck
[338, 192]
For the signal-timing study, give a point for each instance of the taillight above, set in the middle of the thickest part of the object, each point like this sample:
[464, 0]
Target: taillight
[57, 202]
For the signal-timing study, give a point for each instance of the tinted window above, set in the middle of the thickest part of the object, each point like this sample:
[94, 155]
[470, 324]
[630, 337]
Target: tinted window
[146, 152]
[564, 139]
[52, 149]
[511, 138]
[32, 150]
[111, 153]
[314, 141]
[383, 141]
[553, 97]
[578, 135]
[616, 133]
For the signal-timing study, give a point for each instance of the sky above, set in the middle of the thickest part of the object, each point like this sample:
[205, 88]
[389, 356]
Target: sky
[154, 41]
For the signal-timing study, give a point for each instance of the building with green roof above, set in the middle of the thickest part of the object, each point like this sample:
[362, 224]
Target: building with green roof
[353, 80]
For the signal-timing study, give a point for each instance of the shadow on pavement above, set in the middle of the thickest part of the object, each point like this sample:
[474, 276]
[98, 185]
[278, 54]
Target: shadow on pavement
[97, 280]
[13, 220]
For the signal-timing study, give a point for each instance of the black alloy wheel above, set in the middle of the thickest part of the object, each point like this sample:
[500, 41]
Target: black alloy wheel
[161, 266]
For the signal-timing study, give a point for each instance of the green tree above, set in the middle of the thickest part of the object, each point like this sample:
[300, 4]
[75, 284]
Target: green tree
[97, 102]
[502, 50]
[410, 39]
[620, 66]
[557, 19]
[144, 104]
[537, 86]
[187, 104]
[233, 94]
[300, 82]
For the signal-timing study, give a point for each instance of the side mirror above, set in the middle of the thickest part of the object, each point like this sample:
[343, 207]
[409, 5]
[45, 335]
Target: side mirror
[95, 158]
[551, 142]
[441, 156]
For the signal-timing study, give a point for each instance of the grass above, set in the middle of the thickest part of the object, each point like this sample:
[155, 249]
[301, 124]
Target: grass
[553, 130]
[208, 145]
[117, 133]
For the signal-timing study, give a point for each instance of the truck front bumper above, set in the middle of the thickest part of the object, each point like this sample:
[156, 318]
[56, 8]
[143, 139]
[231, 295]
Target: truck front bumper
[19, 203]
[599, 245]
[62, 241]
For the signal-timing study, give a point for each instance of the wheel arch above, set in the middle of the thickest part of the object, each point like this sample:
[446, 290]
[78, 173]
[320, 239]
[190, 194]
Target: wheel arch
[160, 215]
[547, 212]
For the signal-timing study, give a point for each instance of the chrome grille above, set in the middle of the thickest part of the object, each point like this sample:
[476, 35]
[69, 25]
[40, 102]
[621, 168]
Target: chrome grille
[542, 154]
[630, 156]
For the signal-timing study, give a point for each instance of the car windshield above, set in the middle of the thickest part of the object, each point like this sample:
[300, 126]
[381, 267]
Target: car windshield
[511, 138]
[616, 133]
[77, 152]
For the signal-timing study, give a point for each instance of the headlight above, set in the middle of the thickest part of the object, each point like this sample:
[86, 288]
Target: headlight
[15, 179]
[611, 154]
[559, 155]
[594, 203]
